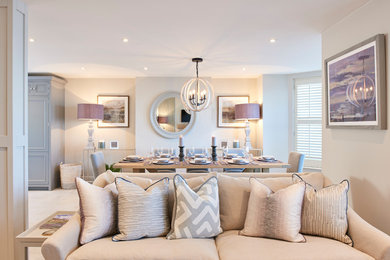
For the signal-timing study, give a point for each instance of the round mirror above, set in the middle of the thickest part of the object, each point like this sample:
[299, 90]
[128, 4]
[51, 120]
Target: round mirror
[168, 116]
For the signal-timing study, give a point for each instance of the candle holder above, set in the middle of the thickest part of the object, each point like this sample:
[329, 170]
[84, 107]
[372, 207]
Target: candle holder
[181, 153]
[214, 153]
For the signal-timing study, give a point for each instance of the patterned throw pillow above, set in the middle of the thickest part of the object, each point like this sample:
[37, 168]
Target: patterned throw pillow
[98, 211]
[324, 212]
[274, 215]
[142, 213]
[195, 213]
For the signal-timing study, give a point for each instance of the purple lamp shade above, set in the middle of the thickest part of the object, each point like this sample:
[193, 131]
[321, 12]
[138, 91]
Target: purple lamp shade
[90, 112]
[247, 111]
[162, 119]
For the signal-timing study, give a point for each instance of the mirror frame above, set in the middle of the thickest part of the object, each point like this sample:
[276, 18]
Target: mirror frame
[153, 118]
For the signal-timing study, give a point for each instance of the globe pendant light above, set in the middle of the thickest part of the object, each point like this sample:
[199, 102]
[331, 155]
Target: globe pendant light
[197, 93]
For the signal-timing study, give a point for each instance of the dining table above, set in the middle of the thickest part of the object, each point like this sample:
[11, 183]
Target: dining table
[149, 164]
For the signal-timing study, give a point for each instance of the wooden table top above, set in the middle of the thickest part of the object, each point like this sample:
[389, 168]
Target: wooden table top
[148, 164]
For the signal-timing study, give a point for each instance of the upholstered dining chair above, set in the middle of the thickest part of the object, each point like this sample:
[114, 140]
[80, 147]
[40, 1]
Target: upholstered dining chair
[296, 160]
[98, 164]
[238, 152]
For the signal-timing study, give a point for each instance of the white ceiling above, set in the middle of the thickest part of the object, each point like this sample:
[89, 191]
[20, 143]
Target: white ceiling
[165, 34]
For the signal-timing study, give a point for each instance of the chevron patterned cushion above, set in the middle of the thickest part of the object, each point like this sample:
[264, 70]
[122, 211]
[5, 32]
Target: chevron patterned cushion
[142, 213]
[195, 213]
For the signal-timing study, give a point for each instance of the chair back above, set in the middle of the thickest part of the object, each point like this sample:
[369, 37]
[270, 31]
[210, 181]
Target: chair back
[98, 164]
[296, 160]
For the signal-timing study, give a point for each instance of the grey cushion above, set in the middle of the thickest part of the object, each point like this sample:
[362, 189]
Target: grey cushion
[142, 213]
[195, 213]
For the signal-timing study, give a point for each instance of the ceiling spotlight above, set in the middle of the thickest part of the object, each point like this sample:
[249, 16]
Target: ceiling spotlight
[145, 68]
[272, 40]
[31, 40]
[82, 68]
[243, 69]
[125, 40]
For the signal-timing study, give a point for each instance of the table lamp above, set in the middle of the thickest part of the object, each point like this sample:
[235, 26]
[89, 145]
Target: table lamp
[247, 111]
[90, 112]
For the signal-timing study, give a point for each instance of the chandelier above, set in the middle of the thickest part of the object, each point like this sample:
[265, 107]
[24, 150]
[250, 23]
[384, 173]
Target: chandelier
[196, 93]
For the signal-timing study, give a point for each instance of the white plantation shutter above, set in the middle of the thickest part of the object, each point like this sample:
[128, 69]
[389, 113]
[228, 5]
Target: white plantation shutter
[308, 120]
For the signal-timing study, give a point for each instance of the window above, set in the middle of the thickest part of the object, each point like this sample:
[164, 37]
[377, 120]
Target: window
[308, 120]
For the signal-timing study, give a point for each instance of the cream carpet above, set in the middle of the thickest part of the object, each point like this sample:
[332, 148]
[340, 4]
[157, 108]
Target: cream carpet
[41, 204]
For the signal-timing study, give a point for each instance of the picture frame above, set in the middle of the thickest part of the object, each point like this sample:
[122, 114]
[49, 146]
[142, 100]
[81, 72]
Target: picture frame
[116, 111]
[225, 111]
[114, 144]
[355, 84]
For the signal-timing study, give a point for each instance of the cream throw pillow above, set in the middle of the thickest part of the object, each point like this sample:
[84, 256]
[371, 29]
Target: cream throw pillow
[142, 213]
[274, 215]
[98, 211]
[324, 211]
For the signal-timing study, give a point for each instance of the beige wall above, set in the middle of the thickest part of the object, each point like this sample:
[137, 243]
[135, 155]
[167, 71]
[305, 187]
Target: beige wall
[86, 91]
[148, 89]
[362, 156]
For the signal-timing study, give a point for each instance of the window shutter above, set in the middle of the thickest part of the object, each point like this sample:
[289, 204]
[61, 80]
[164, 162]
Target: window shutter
[308, 120]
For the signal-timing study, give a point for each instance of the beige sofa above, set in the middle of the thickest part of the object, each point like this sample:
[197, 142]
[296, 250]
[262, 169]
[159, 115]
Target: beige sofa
[369, 242]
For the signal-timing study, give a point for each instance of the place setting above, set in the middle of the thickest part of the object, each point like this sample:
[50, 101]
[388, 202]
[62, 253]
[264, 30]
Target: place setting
[132, 159]
[265, 158]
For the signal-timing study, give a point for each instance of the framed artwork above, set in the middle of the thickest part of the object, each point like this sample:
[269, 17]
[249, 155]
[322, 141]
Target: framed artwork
[114, 144]
[356, 86]
[116, 111]
[226, 116]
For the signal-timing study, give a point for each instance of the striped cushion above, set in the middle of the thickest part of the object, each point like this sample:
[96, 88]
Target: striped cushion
[324, 212]
[142, 213]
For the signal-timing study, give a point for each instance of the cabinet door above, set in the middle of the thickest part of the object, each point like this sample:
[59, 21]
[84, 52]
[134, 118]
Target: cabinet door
[38, 116]
[38, 175]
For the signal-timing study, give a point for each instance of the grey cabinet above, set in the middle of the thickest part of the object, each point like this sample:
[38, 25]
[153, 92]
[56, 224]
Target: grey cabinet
[46, 126]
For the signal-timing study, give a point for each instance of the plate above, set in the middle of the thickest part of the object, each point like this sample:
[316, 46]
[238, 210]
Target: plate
[132, 160]
[163, 163]
[200, 163]
[238, 163]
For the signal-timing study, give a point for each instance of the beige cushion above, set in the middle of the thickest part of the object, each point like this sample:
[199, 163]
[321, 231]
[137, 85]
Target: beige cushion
[147, 249]
[231, 246]
[109, 177]
[142, 213]
[274, 215]
[324, 212]
[98, 211]
[234, 194]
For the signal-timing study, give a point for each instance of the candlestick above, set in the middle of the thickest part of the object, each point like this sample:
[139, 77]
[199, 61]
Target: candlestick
[181, 141]
[214, 153]
[213, 141]
[181, 153]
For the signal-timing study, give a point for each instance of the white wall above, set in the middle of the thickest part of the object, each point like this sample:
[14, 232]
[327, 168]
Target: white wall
[148, 89]
[275, 116]
[362, 156]
[82, 90]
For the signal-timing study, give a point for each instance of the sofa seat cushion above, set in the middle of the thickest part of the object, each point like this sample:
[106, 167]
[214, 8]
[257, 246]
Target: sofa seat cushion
[147, 248]
[230, 245]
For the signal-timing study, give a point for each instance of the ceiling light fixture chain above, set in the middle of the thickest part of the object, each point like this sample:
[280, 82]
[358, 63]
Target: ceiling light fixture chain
[197, 93]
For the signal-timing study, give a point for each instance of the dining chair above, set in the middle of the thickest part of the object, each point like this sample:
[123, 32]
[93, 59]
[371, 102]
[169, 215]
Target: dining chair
[237, 152]
[296, 161]
[98, 164]
[192, 152]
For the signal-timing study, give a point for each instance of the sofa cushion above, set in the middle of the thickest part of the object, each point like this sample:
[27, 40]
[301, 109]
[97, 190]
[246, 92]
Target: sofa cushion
[234, 195]
[232, 246]
[147, 248]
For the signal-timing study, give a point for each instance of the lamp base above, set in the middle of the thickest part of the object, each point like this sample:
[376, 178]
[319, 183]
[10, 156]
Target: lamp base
[248, 144]
[91, 130]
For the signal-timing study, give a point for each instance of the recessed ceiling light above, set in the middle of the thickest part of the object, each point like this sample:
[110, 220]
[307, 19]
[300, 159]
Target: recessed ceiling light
[125, 40]
[145, 68]
[31, 40]
[82, 68]
[243, 69]
[272, 40]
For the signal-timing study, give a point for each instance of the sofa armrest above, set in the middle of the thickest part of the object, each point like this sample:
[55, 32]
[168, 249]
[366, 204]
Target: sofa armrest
[64, 241]
[367, 238]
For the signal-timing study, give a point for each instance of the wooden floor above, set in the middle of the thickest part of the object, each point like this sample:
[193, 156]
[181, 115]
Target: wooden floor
[43, 203]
